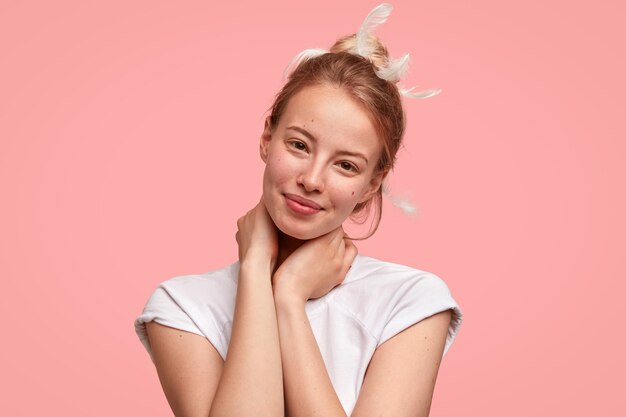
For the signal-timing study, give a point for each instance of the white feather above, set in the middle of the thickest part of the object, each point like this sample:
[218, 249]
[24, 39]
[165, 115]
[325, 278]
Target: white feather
[302, 56]
[395, 69]
[375, 18]
[408, 92]
[402, 203]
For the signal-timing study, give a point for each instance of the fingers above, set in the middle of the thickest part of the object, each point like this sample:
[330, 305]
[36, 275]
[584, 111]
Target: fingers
[261, 206]
[335, 237]
[345, 250]
[344, 256]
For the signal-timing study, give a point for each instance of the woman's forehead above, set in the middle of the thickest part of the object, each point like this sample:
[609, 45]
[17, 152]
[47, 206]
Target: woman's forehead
[327, 111]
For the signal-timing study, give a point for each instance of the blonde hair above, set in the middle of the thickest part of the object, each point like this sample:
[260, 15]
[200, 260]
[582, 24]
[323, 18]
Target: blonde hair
[355, 75]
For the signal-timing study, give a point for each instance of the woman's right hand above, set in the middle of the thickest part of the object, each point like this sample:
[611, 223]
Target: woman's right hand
[257, 236]
[315, 268]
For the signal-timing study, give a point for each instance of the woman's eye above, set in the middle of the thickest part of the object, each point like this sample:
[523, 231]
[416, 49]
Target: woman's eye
[298, 145]
[348, 166]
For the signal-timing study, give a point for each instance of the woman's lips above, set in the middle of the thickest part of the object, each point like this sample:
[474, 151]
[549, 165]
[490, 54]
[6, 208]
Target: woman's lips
[301, 205]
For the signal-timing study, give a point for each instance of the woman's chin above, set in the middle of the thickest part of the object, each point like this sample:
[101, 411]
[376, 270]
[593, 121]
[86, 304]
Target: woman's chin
[299, 233]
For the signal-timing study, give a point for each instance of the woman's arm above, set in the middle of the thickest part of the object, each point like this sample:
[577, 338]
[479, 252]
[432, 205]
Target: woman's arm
[308, 389]
[196, 381]
[399, 381]
[189, 368]
[309, 272]
[401, 376]
[251, 383]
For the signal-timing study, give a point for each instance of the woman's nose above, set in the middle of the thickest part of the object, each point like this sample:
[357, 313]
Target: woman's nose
[312, 178]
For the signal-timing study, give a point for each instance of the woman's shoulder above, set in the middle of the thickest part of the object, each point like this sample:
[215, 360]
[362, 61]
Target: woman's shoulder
[195, 292]
[372, 271]
[200, 284]
[387, 297]
[199, 303]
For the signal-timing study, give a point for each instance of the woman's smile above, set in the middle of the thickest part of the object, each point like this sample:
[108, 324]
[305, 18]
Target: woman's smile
[302, 205]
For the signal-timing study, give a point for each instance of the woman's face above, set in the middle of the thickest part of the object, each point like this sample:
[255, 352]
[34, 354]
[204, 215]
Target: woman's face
[320, 161]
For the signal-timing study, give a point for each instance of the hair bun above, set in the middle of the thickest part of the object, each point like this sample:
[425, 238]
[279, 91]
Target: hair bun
[379, 55]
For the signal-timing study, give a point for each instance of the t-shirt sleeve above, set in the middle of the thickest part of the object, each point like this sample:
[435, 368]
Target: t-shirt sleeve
[163, 309]
[421, 297]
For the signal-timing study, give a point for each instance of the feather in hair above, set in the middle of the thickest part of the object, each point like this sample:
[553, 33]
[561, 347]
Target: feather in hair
[395, 69]
[375, 18]
[408, 92]
[302, 56]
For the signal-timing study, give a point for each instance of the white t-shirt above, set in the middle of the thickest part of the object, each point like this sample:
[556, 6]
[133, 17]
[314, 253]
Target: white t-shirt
[376, 301]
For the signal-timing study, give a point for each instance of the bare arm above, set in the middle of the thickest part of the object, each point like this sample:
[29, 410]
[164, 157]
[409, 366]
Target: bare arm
[399, 382]
[251, 382]
[196, 381]
[308, 389]
[400, 379]
[189, 368]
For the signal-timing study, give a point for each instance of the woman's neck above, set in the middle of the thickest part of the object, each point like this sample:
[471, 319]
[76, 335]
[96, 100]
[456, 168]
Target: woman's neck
[286, 245]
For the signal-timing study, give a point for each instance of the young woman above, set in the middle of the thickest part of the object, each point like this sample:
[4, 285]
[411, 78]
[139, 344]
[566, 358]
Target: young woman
[302, 325]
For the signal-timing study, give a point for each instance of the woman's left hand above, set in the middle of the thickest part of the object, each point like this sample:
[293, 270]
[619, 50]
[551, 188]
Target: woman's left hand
[315, 268]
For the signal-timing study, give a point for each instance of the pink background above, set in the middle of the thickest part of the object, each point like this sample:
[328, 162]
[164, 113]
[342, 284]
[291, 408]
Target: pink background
[128, 135]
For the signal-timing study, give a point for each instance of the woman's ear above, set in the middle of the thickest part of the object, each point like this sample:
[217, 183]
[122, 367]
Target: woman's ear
[266, 137]
[375, 183]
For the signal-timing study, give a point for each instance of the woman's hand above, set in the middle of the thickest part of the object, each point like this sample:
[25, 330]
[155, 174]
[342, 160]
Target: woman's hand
[257, 236]
[315, 268]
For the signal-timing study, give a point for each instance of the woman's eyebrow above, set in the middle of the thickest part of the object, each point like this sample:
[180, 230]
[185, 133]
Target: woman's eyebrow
[303, 131]
[312, 138]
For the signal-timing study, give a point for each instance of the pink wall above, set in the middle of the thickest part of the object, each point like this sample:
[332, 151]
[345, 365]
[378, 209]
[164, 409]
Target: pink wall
[128, 148]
